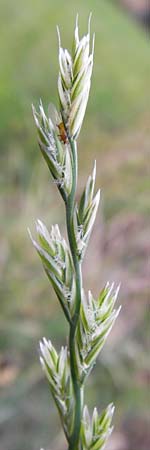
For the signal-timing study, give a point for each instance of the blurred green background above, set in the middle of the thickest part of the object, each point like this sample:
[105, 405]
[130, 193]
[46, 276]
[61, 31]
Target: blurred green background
[116, 132]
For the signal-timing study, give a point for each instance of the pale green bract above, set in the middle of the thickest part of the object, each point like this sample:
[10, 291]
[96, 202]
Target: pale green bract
[57, 263]
[95, 323]
[57, 370]
[85, 214]
[56, 154]
[74, 80]
[96, 431]
[90, 320]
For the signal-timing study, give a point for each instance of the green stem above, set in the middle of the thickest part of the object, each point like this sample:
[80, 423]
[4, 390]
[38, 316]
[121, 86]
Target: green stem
[78, 274]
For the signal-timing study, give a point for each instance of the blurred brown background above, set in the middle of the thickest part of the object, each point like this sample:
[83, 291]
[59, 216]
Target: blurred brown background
[116, 132]
[139, 9]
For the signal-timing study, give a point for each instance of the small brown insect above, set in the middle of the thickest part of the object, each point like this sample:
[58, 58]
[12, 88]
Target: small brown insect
[57, 120]
[62, 132]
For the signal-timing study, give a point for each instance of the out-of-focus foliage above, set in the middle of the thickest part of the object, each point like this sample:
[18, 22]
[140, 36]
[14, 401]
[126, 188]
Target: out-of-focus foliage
[116, 132]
